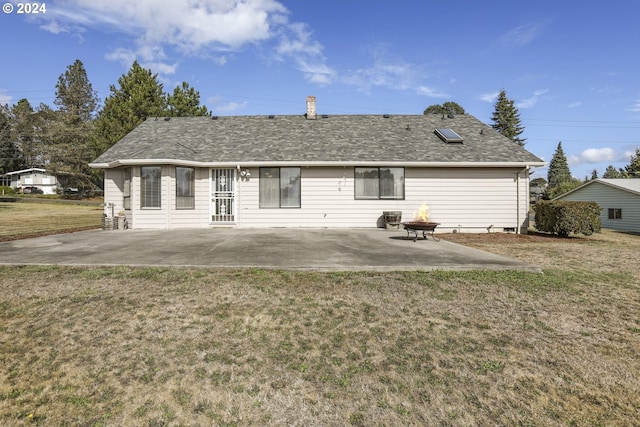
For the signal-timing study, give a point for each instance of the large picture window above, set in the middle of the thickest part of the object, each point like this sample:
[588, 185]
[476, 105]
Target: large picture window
[280, 188]
[185, 183]
[150, 179]
[379, 183]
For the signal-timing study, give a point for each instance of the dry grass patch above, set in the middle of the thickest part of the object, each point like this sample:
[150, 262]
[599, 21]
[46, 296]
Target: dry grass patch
[150, 347]
[609, 251]
[20, 220]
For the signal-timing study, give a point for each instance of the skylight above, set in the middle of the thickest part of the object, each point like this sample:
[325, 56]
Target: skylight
[448, 135]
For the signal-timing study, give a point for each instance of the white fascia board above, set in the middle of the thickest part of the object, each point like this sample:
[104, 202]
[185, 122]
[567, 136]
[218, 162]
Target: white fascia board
[143, 162]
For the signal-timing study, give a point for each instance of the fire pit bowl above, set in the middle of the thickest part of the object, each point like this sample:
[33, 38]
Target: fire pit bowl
[425, 226]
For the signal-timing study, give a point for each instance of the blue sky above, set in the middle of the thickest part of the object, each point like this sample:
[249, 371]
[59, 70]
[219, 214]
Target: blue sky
[572, 67]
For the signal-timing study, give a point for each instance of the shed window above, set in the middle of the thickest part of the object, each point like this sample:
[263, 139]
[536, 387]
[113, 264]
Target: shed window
[379, 183]
[185, 183]
[150, 179]
[615, 213]
[280, 188]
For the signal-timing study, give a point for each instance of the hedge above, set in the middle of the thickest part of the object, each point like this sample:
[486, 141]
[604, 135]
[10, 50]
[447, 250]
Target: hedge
[565, 217]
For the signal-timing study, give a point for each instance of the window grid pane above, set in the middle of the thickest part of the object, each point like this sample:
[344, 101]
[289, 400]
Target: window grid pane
[367, 185]
[150, 178]
[269, 187]
[290, 187]
[185, 183]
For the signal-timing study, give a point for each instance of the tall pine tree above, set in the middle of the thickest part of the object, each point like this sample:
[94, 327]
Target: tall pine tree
[138, 97]
[70, 130]
[10, 156]
[506, 119]
[633, 168]
[559, 171]
[185, 102]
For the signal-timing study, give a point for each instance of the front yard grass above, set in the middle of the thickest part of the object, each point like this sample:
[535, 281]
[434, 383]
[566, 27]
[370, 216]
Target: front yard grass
[169, 346]
[22, 219]
[165, 346]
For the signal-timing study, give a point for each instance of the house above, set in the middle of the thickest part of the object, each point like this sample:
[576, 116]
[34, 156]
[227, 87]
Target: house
[618, 198]
[316, 170]
[28, 178]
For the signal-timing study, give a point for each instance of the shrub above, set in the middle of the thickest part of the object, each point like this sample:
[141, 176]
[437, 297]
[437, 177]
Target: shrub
[566, 217]
[6, 190]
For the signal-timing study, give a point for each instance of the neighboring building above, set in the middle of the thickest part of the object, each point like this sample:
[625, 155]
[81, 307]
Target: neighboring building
[28, 178]
[317, 170]
[618, 198]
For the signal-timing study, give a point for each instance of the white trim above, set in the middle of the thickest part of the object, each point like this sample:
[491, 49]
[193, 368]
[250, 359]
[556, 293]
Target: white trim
[142, 162]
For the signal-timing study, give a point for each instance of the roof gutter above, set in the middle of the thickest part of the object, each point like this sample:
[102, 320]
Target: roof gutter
[274, 163]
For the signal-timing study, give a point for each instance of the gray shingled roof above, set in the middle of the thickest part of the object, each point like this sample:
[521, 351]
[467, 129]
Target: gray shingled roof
[340, 139]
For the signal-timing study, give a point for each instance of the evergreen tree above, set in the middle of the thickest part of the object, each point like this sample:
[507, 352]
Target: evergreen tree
[27, 133]
[185, 102]
[138, 97]
[74, 93]
[448, 107]
[594, 174]
[611, 172]
[10, 157]
[70, 129]
[506, 119]
[633, 168]
[559, 171]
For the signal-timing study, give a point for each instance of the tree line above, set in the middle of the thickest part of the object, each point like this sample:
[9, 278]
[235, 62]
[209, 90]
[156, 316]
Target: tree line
[66, 138]
[560, 180]
[506, 120]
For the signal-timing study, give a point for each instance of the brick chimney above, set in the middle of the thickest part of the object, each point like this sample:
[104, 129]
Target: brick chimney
[311, 107]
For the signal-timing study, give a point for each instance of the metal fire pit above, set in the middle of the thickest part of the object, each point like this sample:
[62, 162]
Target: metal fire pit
[423, 226]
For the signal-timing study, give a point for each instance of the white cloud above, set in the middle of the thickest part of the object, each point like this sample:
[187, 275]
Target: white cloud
[490, 97]
[225, 107]
[5, 98]
[201, 28]
[431, 92]
[595, 155]
[190, 27]
[389, 71]
[575, 104]
[635, 108]
[533, 99]
[522, 35]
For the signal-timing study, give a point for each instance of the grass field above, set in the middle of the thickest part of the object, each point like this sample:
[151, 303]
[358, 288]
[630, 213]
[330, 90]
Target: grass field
[25, 218]
[159, 346]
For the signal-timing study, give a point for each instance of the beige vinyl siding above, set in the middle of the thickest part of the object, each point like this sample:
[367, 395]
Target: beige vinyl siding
[152, 218]
[189, 218]
[466, 199]
[609, 197]
[113, 188]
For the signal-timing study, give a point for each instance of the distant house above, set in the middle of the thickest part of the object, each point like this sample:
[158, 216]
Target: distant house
[29, 178]
[316, 170]
[618, 198]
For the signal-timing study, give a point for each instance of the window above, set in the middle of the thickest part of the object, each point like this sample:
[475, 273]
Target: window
[615, 213]
[150, 177]
[379, 183]
[126, 191]
[280, 188]
[185, 183]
